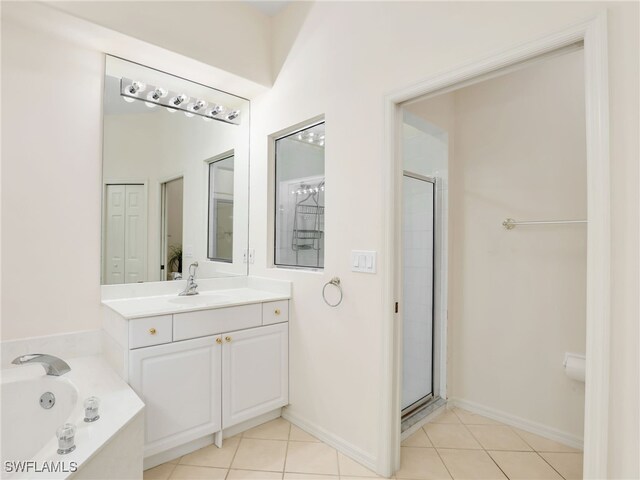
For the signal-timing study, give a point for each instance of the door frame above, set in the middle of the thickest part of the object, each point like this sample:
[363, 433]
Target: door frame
[162, 185]
[438, 355]
[593, 34]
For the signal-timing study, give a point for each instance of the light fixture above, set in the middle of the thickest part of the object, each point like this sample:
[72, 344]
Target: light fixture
[133, 89]
[154, 96]
[177, 101]
[130, 90]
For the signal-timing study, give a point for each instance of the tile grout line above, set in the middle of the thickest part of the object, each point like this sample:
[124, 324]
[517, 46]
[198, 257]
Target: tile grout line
[286, 451]
[175, 465]
[241, 435]
[483, 449]
[545, 461]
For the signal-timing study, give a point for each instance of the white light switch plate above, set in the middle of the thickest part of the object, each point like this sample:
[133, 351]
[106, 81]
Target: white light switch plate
[363, 261]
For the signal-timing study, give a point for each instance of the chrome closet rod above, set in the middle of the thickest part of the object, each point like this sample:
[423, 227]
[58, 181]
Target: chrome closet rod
[510, 223]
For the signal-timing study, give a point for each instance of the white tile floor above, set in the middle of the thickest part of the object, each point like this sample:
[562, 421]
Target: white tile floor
[458, 444]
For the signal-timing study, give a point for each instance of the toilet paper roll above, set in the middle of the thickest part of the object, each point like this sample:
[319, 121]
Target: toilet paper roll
[574, 366]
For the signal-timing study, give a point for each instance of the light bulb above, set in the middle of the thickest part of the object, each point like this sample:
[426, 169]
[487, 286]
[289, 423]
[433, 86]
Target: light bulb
[233, 115]
[197, 105]
[135, 87]
[179, 100]
[156, 94]
[214, 111]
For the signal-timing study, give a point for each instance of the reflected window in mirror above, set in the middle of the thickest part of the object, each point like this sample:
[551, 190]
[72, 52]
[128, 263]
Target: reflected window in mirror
[220, 225]
[161, 132]
[300, 198]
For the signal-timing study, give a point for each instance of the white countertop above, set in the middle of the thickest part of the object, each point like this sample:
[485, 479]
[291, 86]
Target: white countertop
[138, 307]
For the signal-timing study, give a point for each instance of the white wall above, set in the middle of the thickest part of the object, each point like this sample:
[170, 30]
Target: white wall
[232, 35]
[338, 59]
[345, 58]
[517, 299]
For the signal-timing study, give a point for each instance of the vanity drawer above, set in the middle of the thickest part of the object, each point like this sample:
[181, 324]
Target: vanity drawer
[275, 312]
[144, 332]
[219, 320]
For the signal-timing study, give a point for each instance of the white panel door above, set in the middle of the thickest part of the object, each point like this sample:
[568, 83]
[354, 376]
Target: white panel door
[114, 234]
[417, 287]
[180, 385]
[135, 247]
[255, 373]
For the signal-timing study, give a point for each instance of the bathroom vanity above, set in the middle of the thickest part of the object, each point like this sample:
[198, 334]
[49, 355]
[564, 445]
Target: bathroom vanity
[202, 363]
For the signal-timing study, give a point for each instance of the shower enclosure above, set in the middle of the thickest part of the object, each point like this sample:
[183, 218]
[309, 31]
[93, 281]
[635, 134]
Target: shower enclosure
[418, 286]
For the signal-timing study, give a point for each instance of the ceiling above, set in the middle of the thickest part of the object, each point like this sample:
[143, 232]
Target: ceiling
[267, 7]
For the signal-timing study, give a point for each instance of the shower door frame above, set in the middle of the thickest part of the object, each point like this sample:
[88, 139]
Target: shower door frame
[422, 402]
[593, 36]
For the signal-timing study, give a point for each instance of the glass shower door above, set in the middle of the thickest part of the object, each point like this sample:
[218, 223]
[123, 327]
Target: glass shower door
[418, 275]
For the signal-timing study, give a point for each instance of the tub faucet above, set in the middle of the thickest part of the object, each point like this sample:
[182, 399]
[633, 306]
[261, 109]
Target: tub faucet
[52, 365]
[192, 286]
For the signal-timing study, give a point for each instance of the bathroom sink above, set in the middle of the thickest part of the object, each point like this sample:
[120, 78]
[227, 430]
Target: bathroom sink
[200, 299]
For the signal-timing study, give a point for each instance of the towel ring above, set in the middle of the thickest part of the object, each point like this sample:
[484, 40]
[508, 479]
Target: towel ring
[335, 281]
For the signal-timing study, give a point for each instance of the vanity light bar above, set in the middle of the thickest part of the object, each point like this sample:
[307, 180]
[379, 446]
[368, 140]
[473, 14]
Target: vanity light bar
[152, 95]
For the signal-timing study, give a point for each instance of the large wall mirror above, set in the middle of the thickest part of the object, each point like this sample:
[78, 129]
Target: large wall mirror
[175, 177]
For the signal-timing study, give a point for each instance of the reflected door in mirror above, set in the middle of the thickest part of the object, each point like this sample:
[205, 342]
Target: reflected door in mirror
[125, 233]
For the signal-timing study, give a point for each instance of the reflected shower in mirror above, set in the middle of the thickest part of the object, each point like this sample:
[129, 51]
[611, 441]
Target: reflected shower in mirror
[175, 177]
[220, 229]
[300, 196]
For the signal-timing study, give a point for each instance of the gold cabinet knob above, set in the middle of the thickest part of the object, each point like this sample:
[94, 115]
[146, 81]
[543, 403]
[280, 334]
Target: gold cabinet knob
[218, 340]
[277, 311]
[152, 331]
[228, 339]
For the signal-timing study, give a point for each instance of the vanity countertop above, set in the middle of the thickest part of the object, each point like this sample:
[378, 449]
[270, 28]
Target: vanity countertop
[139, 307]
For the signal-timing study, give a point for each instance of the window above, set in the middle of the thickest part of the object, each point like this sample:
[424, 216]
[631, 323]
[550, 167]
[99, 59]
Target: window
[220, 228]
[300, 196]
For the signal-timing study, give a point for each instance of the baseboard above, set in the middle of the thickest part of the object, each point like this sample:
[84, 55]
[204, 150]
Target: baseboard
[521, 423]
[253, 422]
[333, 440]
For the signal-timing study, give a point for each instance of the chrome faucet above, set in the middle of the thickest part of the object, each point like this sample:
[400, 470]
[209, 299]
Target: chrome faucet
[192, 286]
[53, 365]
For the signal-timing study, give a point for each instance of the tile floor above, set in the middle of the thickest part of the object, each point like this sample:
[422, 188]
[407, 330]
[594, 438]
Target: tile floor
[458, 444]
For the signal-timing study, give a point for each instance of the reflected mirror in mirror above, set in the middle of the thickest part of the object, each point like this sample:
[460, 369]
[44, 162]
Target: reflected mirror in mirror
[175, 177]
[300, 196]
[221, 209]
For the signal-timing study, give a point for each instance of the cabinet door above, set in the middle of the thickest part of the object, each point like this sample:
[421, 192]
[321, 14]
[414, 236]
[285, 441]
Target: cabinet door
[255, 372]
[180, 386]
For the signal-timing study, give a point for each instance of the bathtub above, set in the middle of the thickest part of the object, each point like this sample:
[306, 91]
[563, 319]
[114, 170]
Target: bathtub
[108, 448]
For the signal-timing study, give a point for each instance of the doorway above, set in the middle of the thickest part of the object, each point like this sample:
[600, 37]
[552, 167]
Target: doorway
[593, 34]
[172, 195]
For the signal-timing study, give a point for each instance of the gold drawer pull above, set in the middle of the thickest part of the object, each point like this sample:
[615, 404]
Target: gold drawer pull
[277, 311]
[152, 331]
[228, 339]
[218, 340]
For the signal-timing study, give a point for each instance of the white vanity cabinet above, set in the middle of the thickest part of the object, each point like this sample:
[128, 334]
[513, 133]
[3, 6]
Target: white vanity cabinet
[180, 384]
[202, 371]
[255, 372]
